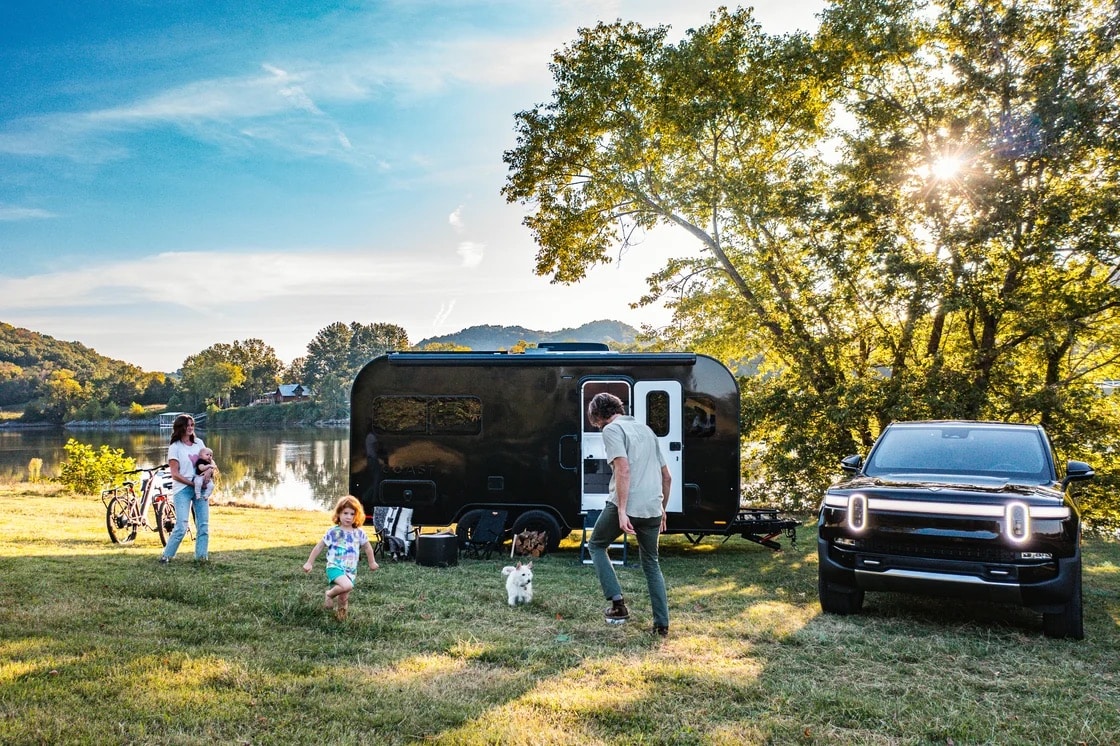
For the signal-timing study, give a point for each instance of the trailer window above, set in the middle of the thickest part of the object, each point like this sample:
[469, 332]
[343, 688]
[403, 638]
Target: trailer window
[657, 412]
[400, 414]
[699, 417]
[436, 415]
[456, 415]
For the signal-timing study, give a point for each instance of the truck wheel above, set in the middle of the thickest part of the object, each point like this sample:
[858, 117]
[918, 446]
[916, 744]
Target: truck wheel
[1069, 621]
[539, 520]
[838, 599]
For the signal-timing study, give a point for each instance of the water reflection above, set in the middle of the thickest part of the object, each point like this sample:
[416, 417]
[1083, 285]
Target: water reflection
[299, 469]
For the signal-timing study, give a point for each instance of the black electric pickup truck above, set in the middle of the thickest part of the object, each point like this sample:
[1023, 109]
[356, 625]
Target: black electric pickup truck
[956, 508]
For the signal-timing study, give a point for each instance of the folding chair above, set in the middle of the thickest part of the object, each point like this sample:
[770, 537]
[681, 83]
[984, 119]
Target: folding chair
[484, 537]
[396, 535]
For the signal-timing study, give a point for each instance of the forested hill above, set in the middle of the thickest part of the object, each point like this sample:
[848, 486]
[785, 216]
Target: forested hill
[28, 360]
[614, 333]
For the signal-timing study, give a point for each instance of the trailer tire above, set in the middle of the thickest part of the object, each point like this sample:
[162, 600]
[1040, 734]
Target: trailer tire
[466, 525]
[539, 520]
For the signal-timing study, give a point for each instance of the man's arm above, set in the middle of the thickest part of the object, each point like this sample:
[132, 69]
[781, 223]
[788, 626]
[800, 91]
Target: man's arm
[621, 467]
[666, 485]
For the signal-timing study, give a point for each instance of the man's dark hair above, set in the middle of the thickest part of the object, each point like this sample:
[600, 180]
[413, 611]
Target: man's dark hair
[605, 406]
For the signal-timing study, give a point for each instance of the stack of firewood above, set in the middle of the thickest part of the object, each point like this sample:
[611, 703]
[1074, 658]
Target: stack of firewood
[530, 543]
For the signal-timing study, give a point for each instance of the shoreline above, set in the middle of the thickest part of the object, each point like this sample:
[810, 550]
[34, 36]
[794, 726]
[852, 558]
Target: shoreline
[154, 425]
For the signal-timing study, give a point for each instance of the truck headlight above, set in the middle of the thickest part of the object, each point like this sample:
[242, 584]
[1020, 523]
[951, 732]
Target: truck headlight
[1018, 517]
[857, 512]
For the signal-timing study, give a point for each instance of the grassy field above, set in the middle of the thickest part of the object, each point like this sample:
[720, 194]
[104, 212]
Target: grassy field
[100, 644]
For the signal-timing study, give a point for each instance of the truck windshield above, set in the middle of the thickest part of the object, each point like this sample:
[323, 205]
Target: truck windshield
[1014, 453]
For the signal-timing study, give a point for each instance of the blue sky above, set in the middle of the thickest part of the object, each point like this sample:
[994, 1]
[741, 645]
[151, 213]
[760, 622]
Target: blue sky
[175, 174]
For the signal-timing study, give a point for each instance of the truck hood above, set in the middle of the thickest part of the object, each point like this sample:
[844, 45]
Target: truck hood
[946, 486]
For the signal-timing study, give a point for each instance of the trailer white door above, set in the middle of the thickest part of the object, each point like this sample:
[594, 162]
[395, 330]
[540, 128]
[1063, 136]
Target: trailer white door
[656, 403]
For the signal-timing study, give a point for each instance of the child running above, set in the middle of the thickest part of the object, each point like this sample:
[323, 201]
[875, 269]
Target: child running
[342, 542]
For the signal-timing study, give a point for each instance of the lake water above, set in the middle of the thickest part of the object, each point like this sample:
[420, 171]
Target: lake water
[305, 469]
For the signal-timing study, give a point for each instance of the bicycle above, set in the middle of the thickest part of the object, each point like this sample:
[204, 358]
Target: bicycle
[125, 513]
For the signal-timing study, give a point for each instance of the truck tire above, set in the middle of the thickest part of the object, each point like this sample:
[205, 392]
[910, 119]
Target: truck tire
[539, 520]
[1068, 622]
[838, 600]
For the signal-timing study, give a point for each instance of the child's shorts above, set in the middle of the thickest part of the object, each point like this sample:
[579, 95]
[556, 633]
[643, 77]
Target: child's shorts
[334, 573]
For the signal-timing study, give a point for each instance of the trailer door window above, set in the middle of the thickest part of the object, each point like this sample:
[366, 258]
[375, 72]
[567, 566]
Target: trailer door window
[621, 389]
[657, 412]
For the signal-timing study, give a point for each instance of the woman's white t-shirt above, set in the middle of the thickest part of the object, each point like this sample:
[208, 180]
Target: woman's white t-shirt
[186, 454]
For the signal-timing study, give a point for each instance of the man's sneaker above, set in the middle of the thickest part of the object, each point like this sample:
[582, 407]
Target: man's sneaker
[617, 613]
[660, 631]
[164, 560]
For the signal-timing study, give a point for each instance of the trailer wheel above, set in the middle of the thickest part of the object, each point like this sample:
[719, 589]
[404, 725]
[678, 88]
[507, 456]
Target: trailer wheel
[539, 520]
[466, 525]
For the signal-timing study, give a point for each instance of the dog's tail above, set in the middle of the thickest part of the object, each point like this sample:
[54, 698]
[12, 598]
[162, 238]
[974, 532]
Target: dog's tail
[508, 569]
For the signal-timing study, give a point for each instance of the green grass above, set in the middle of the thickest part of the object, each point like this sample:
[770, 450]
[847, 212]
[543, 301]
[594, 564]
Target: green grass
[100, 644]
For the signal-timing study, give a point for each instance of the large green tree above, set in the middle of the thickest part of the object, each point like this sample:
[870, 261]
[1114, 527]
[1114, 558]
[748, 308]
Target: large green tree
[339, 351]
[229, 374]
[261, 366]
[908, 214]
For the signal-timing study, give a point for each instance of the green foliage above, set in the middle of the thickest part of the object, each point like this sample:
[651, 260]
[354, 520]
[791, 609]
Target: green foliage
[86, 471]
[47, 372]
[339, 351]
[274, 416]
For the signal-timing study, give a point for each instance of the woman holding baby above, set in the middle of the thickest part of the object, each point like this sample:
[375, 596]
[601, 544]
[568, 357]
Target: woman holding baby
[182, 458]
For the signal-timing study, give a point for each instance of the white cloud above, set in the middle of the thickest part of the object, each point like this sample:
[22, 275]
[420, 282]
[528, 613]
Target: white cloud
[471, 253]
[14, 212]
[444, 313]
[456, 219]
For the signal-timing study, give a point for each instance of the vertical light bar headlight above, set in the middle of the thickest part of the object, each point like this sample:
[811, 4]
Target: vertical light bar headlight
[1018, 521]
[857, 512]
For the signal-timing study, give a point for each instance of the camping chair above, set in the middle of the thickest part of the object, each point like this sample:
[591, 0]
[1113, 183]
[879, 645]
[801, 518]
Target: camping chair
[484, 537]
[395, 535]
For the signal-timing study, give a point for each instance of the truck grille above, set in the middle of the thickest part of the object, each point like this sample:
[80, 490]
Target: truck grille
[971, 553]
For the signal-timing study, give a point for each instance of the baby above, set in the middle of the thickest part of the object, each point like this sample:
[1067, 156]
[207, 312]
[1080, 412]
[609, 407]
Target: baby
[204, 474]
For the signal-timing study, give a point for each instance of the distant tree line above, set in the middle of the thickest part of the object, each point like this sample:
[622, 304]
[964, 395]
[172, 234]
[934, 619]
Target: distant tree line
[58, 381]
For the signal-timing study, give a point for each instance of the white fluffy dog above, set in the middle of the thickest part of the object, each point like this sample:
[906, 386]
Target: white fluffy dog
[519, 583]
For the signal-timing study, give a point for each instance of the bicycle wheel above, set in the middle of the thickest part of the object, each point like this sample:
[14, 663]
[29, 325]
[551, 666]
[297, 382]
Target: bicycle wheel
[119, 519]
[165, 519]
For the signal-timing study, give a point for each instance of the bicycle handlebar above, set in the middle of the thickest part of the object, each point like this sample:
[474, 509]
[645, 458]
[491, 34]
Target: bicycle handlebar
[148, 469]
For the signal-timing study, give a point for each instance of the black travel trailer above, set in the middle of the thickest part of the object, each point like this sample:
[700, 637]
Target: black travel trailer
[453, 434]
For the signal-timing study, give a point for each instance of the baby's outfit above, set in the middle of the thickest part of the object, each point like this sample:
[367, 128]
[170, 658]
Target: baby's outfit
[203, 485]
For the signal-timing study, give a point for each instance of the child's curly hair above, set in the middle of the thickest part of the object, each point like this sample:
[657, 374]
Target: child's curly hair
[349, 502]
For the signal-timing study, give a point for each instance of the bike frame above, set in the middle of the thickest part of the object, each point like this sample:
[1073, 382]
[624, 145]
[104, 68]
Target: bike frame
[152, 492]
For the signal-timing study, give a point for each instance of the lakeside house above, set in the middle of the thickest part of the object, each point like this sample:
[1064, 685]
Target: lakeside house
[285, 392]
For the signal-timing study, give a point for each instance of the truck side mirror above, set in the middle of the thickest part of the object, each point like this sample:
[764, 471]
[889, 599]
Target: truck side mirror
[1077, 471]
[851, 464]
